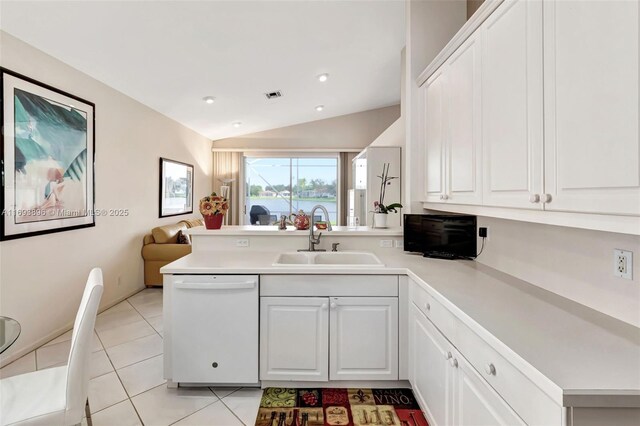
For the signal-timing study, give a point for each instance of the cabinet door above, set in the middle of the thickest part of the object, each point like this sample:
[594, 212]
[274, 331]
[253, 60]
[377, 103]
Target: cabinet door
[294, 338]
[512, 105]
[464, 147]
[435, 128]
[592, 140]
[364, 338]
[476, 403]
[430, 374]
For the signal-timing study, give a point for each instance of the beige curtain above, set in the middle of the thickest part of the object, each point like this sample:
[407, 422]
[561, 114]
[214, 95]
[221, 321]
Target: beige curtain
[226, 165]
[346, 178]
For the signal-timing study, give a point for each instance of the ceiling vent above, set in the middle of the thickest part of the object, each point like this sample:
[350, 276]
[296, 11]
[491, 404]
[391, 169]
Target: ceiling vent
[273, 95]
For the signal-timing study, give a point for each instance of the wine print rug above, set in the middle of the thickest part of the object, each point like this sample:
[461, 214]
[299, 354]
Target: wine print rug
[339, 407]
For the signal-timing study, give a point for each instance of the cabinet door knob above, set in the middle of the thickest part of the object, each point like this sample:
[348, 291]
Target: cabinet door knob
[490, 369]
[546, 198]
[441, 197]
[454, 362]
[445, 197]
[323, 306]
[334, 305]
[427, 306]
[214, 365]
[447, 355]
[534, 198]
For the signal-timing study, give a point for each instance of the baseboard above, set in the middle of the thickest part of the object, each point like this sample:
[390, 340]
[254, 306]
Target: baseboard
[4, 361]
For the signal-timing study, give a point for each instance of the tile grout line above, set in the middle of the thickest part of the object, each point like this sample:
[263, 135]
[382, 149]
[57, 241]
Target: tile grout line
[118, 376]
[208, 405]
[233, 412]
[145, 318]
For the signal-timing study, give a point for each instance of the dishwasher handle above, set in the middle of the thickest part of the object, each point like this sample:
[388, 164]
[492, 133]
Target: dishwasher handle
[182, 285]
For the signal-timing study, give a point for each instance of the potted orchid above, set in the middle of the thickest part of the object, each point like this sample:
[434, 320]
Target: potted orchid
[380, 209]
[213, 207]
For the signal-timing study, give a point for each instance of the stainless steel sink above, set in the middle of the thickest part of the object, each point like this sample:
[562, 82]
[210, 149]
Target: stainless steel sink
[329, 259]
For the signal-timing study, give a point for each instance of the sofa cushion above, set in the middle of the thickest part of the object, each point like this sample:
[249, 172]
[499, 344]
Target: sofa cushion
[167, 234]
[192, 223]
[165, 252]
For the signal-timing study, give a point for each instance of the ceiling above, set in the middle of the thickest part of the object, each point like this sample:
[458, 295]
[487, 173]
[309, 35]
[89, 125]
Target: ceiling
[170, 54]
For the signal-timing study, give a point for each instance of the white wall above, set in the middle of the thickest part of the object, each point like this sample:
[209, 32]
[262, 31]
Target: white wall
[351, 131]
[42, 278]
[574, 263]
[392, 136]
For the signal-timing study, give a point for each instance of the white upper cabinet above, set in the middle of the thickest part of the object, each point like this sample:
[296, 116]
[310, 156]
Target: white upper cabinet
[435, 127]
[592, 158]
[453, 128]
[512, 109]
[464, 148]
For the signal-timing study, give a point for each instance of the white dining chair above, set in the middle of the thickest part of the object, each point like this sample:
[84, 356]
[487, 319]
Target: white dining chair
[57, 396]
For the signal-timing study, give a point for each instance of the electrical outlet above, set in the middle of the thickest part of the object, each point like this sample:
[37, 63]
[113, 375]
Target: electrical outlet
[386, 243]
[242, 242]
[399, 244]
[623, 264]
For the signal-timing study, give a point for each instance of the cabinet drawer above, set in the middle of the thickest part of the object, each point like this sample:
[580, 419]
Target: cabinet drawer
[434, 310]
[329, 285]
[529, 401]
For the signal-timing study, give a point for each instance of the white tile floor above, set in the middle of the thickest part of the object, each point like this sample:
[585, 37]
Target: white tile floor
[126, 386]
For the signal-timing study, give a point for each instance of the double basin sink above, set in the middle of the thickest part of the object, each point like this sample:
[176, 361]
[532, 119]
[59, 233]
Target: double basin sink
[328, 259]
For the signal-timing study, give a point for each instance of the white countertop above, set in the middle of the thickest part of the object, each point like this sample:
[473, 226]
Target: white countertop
[252, 230]
[586, 354]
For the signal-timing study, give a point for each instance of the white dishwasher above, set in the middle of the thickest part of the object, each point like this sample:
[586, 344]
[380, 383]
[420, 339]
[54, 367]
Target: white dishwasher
[215, 329]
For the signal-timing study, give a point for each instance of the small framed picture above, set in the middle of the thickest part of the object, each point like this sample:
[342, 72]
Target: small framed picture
[47, 158]
[176, 188]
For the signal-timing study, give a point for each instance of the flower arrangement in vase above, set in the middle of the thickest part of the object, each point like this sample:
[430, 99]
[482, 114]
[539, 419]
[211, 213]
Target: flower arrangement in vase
[380, 209]
[213, 207]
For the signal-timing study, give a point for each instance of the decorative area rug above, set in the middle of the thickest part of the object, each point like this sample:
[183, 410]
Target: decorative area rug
[339, 407]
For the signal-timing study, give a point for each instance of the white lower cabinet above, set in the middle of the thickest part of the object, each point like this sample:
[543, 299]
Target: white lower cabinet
[429, 372]
[363, 338]
[447, 387]
[294, 338]
[476, 403]
[328, 338]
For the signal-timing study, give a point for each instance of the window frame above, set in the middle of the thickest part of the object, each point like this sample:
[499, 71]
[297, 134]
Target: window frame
[291, 155]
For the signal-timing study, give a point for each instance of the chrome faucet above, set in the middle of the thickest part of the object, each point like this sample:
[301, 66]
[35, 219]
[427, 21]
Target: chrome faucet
[313, 241]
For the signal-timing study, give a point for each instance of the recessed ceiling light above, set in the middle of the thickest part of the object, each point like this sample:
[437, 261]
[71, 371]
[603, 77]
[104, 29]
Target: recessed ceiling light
[319, 108]
[236, 124]
[209, 99]
[323, 77]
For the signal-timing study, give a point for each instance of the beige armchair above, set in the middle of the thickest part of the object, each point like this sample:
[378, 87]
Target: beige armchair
[161, 247]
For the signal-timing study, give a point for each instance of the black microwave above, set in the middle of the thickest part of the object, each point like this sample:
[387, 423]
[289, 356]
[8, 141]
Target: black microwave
[441, 236]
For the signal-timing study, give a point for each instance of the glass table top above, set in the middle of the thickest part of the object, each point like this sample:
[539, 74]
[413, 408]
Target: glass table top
[9, 332]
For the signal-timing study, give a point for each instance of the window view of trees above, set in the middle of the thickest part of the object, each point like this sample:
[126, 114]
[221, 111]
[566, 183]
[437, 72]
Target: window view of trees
[281, 186]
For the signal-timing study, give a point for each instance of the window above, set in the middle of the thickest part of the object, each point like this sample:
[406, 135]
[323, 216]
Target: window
[276, 186]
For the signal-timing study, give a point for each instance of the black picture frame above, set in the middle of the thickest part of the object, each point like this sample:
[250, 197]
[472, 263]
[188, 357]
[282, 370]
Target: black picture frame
[182, 173]
[62, 209]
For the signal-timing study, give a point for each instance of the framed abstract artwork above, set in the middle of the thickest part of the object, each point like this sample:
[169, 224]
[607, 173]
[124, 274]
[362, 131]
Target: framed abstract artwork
[176, 188]
[47, 158]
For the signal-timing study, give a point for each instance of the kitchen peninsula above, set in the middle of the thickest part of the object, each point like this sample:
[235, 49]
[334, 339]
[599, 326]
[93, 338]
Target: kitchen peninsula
[437, 326]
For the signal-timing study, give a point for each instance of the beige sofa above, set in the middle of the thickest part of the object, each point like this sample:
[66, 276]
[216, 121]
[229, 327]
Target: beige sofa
[161, 247]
